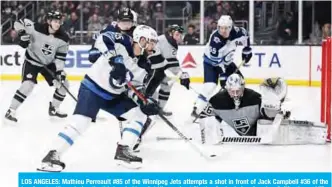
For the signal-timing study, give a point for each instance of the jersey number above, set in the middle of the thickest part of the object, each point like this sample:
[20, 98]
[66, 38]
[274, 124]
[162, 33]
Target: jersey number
[241, 125]
[213, 50]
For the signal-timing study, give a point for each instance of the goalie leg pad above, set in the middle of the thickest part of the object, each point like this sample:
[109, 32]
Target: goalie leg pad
[294, 132]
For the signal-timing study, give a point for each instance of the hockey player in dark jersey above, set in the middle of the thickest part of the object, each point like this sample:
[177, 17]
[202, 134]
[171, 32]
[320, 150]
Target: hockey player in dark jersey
[238, 114]
[218, 57]
[125, 25]
[47, 47]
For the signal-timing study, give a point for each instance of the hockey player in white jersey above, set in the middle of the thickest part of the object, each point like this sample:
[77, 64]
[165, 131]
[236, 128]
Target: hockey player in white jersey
[104, 88]
[244, 113]
[47, 47]
[218, 57]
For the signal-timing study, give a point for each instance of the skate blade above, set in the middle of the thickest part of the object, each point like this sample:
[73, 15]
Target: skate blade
[133, 165]
[57, 119]
[47, 168]
[9, 122]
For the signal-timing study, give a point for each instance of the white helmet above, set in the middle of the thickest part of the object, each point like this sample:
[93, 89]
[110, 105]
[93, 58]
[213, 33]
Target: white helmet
[225, 21]
[135, 17]
[146, 32]
[235, 87]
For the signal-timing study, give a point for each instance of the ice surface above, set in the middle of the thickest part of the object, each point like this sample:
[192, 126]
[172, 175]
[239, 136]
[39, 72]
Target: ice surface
[24, 145]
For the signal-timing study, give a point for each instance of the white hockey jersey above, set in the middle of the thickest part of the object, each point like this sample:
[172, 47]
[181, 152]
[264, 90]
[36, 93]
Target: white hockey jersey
[220, 51]
[111, 44]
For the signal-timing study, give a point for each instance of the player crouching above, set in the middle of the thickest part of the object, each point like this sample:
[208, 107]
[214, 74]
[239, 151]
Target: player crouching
[242, 112]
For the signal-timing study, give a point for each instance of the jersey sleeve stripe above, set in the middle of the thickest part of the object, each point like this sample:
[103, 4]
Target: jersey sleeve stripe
[60, 54]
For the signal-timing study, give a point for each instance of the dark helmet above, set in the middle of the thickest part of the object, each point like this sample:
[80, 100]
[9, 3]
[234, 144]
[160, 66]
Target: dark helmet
[125, 14]
[175, 27]
[54, 15]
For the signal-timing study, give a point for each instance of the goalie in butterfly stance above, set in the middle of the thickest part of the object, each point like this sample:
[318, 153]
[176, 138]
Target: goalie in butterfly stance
[239, 111]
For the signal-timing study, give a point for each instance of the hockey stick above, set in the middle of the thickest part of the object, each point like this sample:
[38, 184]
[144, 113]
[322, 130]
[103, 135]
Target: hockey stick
[53, 76]
[142, 97]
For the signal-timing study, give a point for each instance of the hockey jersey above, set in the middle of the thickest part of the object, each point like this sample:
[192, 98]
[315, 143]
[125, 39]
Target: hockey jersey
[244, 119]
[110, 44]
[220, 51]
[44, 48]
[168, 49]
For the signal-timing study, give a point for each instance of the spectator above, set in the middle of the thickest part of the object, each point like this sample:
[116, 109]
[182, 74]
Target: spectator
[41, 16]
[287, 32]
[326, 30]
[94, 25]
[72, 25]
[191, 38]
[10, 38]
[217, 15]
[211, 28]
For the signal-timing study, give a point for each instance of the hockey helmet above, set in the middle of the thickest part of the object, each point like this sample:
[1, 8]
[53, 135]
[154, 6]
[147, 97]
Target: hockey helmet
[144, 31]
[125, 14]
[235, 86]
[225, 24]
[175, 27]
[54, 15]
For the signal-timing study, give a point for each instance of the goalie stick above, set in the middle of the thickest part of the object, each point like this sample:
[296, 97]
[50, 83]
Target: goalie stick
[183, 137]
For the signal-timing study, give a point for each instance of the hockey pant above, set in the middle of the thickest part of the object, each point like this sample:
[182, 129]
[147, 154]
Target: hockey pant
[29, 80]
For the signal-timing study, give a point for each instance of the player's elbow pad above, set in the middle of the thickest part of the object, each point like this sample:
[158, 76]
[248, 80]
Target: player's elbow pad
[94, 54]
[23, 44]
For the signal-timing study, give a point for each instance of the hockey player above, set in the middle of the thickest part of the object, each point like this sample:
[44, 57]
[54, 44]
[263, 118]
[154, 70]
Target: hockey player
[218, 57]
[124, 25]
[239, 111]
[104, 88]
[164, 58]
[168, 46]
[47, 47]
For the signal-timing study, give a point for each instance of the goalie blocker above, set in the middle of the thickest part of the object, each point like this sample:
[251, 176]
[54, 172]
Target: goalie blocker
[241, 115]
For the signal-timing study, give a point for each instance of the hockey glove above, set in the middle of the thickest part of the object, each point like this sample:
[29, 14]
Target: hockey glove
[94, 54]
[24, 38]
[246, 54]
[60, 77]
[150, 108]
[118, 73]
[185, 80]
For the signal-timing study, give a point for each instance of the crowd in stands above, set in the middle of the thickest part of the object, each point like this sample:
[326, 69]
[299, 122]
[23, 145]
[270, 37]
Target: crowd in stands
[98, 14]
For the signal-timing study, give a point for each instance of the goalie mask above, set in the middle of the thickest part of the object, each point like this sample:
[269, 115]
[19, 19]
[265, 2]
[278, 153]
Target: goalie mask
[235, 88]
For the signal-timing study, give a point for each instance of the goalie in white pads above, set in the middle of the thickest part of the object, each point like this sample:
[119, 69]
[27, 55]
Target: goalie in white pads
[239, 114]
[103, 87]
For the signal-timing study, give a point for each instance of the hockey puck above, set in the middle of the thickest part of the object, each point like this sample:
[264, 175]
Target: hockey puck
[213, 155]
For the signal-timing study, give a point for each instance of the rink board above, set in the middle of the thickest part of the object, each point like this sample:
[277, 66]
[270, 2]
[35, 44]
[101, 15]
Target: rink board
[299, 65]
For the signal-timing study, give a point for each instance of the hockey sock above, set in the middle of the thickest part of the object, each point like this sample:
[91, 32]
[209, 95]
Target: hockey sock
[21, 94]
[58, 97]
[131, 133]
[70, 133]
[163, 98]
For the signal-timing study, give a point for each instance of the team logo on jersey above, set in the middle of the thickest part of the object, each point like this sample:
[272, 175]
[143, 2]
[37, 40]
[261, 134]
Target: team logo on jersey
[47, 49]
[241, 125]
[216, 40]
[188, 61]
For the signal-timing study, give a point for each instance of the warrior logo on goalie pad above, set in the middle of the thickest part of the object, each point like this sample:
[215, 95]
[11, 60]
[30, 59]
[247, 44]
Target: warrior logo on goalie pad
[241, 125]
[47, 49]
